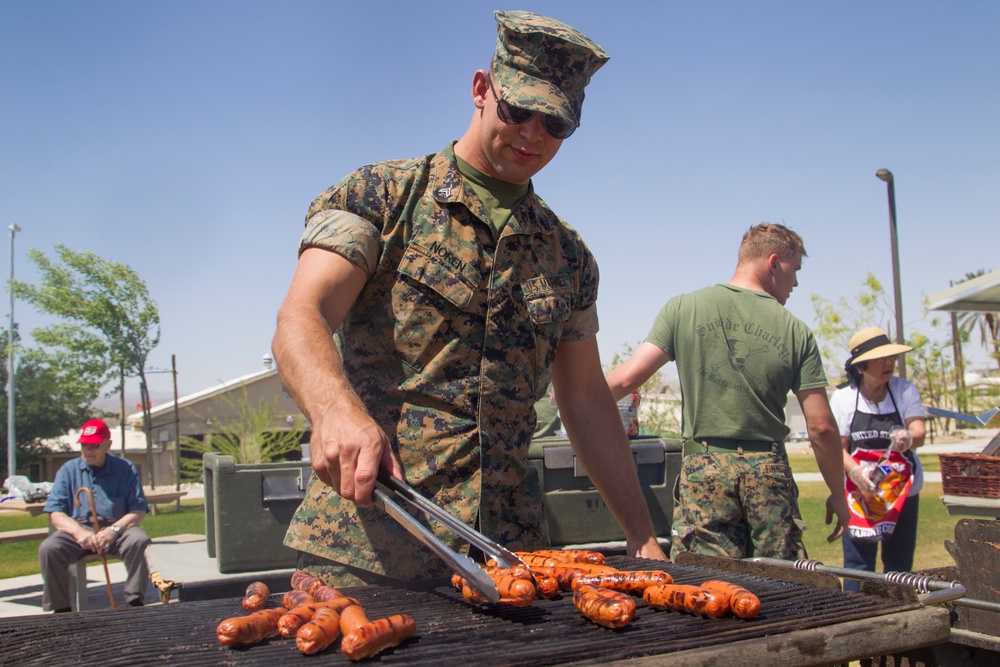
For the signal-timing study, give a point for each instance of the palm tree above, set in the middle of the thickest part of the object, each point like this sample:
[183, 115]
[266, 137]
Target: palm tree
[988, 324]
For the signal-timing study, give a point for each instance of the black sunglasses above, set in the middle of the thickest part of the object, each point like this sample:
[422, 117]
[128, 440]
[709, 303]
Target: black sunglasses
[557, 127]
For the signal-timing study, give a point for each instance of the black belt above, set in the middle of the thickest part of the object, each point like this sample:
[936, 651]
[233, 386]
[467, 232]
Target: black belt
[728, 446]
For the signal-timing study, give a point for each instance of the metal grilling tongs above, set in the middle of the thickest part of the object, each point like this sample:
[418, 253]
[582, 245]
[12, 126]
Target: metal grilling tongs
[390, 491]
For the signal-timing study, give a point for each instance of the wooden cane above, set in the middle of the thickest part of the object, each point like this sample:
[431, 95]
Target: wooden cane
[97, 529]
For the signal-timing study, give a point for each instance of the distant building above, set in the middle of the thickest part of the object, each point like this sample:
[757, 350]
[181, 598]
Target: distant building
[197, 415]
[205, 412]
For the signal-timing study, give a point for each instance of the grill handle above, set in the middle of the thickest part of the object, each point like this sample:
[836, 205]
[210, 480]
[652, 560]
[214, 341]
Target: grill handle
[929, 591]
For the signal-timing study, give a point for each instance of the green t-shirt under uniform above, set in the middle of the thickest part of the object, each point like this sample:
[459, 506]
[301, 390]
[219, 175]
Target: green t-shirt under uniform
[738, 353]
[499, 197]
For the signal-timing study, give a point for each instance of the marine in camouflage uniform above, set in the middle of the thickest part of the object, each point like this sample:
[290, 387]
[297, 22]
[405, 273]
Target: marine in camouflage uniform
[739, 352]
[453, 335]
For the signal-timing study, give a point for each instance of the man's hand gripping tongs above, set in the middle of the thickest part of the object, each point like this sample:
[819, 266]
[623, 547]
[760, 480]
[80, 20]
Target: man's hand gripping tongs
[389, 491]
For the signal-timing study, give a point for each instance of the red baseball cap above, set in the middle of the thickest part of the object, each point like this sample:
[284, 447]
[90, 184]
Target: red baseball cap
[94, 432]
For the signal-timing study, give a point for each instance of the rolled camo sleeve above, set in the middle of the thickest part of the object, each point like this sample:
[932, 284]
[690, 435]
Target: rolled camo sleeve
[349, 235]
[581, 324]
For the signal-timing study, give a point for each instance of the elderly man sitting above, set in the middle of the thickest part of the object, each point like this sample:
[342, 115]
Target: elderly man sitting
[121, 506]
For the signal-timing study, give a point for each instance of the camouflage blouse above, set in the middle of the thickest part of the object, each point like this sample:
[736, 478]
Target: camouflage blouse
[449, 345]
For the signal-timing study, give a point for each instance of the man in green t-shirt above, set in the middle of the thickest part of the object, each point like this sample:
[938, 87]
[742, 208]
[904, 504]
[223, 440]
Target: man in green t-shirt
[739, 352]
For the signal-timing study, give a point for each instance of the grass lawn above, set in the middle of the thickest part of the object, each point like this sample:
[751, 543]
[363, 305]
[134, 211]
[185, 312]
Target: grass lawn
[21, 558]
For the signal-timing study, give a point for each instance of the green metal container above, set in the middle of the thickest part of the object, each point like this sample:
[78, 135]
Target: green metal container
[576, 512]
[248, 509]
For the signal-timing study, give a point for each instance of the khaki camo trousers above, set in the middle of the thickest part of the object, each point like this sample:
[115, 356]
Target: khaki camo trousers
[738, 505]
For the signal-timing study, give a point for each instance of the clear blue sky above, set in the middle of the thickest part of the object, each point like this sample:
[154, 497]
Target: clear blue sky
[186, 139]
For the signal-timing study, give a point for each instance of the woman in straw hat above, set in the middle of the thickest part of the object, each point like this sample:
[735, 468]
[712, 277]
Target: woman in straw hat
[868, 409]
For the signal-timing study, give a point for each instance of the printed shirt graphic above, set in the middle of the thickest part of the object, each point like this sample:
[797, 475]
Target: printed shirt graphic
[738, 353]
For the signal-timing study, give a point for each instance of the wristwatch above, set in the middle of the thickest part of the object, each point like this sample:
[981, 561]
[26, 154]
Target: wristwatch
[115, 529]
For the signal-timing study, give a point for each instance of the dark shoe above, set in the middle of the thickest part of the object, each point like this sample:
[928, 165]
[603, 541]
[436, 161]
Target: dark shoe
[64, 610]
[134, 603]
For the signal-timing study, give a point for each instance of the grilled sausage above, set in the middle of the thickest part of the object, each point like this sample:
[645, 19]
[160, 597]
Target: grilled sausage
[517, 592]
[319, 632]
[633, 583]
[289, 624]
[295, 618]
[518, 571]
[352, 618]
[324, 593]
[256, 596]
[688, 599]
[303, 581]
[294, 598]
[375, 637]
[531, 560]
[743, 603]
[563, 574]
[546, 586]
[606, 608]
[573, 555]
[338, 604]
[472, 595]
[245, 630]
[513, 591]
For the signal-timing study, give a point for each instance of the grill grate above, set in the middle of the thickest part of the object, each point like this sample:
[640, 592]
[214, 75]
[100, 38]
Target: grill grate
[449, 631]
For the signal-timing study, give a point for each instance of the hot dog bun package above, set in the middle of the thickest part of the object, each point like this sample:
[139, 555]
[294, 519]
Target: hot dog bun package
[876, 515]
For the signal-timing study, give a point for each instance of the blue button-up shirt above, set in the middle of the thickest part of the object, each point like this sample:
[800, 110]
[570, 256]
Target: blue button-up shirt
[116, 487]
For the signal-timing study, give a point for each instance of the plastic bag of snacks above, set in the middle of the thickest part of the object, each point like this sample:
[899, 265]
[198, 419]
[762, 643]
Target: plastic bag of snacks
[628, 409]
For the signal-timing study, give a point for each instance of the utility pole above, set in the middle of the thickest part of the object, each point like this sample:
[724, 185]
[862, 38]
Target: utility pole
[11, 396]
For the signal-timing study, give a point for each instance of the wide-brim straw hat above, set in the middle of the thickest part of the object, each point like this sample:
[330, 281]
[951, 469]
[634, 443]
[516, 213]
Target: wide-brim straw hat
[873, 343]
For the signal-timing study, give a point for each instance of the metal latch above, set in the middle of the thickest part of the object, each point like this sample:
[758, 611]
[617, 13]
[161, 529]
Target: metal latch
[274, 488]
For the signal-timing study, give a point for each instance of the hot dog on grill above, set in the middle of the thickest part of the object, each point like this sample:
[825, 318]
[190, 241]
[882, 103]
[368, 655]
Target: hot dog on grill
[244, 630]
[563, 574]
[546, 586]
[513, 591]
[372, 638]
[688, 599]
[303, 581]
[319, 632]
[295, 598]
[295, 618]
[256, 596]
[605, 607]
[518, 592]
[572, 555]
[352, 618]
[743, 603]
[324, 593]
[518, 571]
[298, 616]
[633, 582]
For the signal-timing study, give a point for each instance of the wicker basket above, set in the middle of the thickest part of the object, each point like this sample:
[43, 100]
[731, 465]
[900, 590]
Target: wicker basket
[970, 475]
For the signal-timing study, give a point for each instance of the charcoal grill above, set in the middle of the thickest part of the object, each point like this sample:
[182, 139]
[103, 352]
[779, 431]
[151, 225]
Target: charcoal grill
[800, 624]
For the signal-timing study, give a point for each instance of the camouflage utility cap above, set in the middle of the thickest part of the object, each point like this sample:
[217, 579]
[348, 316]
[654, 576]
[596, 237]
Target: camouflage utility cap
[543, 65]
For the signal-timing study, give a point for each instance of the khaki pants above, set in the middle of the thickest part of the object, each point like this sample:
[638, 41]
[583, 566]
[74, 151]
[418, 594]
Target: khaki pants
[59, 550]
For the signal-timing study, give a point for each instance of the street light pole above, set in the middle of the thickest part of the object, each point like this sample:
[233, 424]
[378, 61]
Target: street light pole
[11, 422]
[886, 175]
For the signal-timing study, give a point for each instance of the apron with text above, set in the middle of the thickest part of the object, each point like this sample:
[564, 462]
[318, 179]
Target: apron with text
[875, 516]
